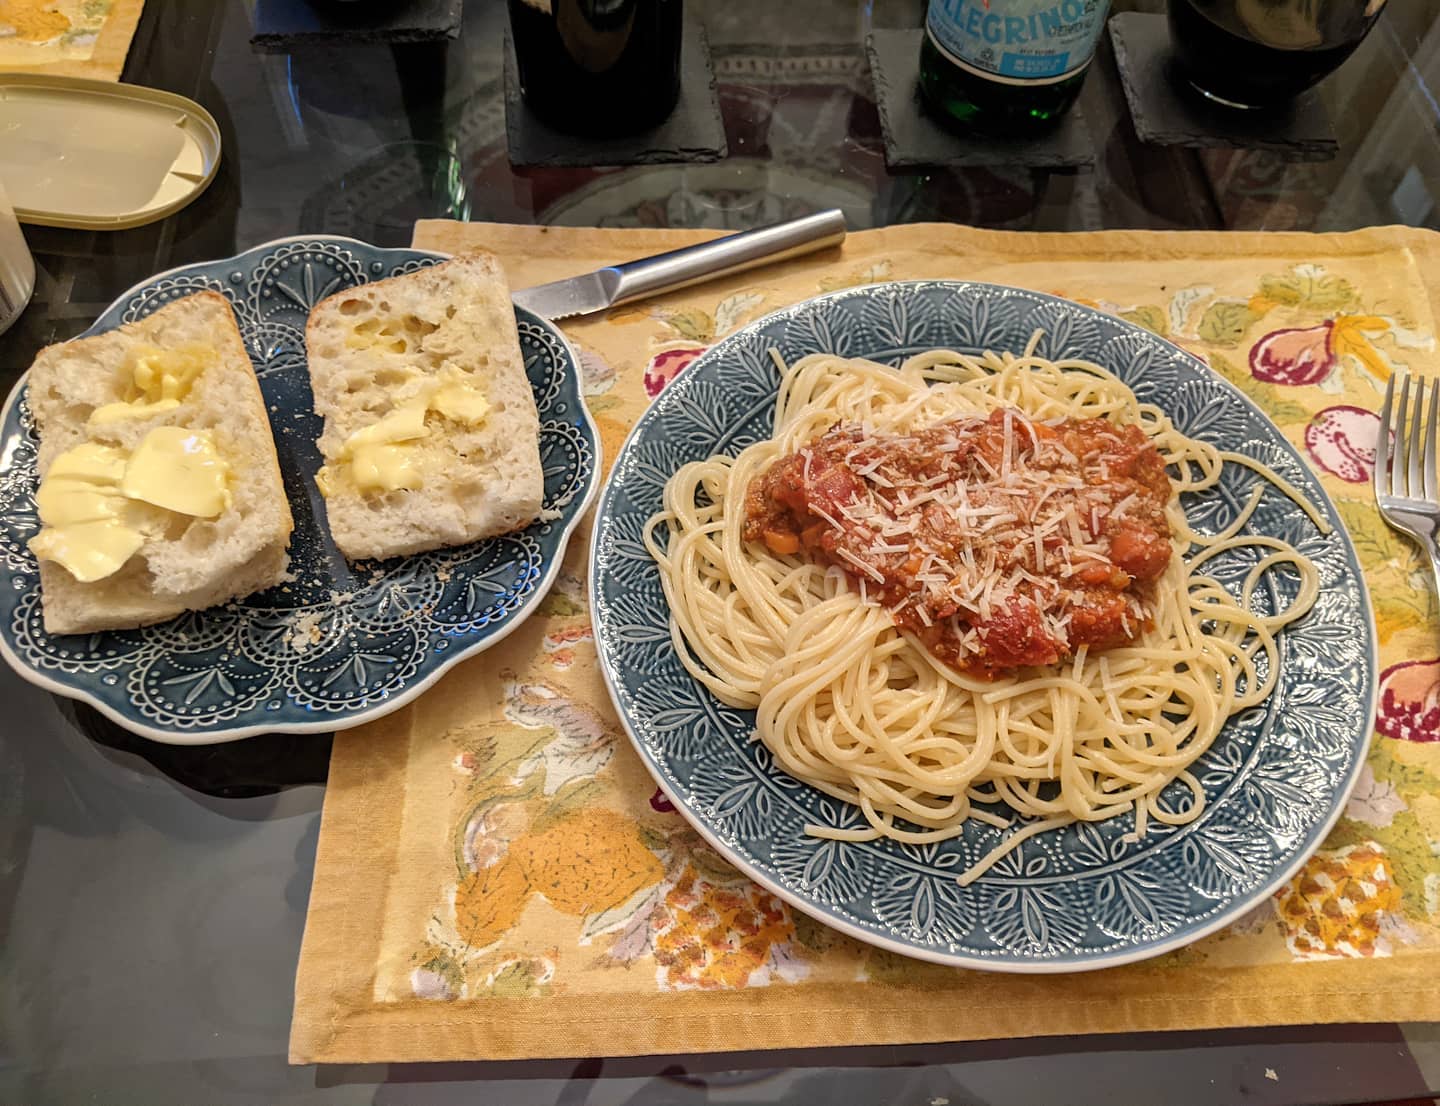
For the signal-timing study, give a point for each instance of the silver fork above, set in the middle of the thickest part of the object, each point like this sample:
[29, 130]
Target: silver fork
[1407, 486]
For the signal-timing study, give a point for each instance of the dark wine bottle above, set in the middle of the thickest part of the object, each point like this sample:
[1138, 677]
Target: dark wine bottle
[598, 67]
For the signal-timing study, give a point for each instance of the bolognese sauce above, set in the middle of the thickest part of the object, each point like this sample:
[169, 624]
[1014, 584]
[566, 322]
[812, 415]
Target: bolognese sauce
[999, 542]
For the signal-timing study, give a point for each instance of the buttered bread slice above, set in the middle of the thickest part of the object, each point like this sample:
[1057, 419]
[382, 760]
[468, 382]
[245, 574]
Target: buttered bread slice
[431, 437]
[160, 490]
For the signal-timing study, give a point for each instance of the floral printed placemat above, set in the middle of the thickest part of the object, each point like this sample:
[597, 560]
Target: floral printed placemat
[498, 877]
[71, 38]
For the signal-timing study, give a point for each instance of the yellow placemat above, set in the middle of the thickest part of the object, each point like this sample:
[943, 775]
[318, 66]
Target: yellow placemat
[498, 877]
[71, 38]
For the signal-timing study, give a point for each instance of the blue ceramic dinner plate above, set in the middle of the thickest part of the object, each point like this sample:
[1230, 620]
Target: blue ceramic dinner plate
[340, 643]
[1076, 898]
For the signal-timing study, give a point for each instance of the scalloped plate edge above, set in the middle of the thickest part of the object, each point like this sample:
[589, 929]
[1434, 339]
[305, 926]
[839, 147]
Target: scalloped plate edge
[409, 693]
[815, 910]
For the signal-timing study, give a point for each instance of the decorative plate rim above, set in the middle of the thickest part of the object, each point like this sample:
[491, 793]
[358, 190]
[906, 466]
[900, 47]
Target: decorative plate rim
[1010, 963]
[550, 569]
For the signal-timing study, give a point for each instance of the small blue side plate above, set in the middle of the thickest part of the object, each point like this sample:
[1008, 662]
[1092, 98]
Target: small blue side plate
[1086, 895]
[339, 644]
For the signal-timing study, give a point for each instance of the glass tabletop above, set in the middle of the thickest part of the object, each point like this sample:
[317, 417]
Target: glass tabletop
[152, 898]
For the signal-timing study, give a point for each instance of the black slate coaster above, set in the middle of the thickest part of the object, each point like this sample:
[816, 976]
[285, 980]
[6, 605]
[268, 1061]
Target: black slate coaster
[914, 140]
[1166, 114]
[281, 25]
[693, 132]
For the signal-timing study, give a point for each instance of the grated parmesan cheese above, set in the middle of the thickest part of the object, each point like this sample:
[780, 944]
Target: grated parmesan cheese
[961, 523]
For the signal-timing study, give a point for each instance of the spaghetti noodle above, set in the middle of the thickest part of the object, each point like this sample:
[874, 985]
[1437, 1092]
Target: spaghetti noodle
[922, 731]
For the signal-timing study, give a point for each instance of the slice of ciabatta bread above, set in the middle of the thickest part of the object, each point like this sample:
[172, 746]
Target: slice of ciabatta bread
[185, 563]
[376, 348]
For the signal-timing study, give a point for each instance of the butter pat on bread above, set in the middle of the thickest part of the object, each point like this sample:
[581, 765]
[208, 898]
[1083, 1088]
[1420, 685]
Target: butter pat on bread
[431, 436]
[160, 489]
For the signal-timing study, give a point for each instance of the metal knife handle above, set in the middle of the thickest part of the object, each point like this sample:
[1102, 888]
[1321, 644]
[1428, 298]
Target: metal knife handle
[663, 272]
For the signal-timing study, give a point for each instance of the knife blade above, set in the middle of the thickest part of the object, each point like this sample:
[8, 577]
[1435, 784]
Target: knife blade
[560, 299]
[649, 276]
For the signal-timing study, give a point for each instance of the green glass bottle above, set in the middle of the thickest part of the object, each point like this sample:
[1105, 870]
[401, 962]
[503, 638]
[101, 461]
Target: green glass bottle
[1007, 67]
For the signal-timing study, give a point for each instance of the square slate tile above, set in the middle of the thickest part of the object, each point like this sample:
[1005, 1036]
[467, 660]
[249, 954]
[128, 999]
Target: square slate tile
[693, 132]
[1166, 114]
[282, 25]
[914, 140]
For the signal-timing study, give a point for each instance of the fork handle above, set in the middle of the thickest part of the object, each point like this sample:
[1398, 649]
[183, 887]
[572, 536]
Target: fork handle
[1434, 551]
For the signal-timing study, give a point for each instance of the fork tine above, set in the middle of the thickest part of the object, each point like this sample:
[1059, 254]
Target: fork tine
[1432, 434]
[1400, 475]
[1381, 477]
[1415, 484]
[1398, 466]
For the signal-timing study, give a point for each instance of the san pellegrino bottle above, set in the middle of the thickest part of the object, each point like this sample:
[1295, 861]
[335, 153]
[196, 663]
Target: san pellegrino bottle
[1007, 67]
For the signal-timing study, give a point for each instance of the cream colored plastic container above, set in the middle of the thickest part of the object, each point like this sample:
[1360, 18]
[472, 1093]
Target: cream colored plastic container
[98, 155]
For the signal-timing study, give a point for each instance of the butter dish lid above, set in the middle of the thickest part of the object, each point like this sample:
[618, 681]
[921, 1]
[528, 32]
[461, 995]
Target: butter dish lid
[97, 155]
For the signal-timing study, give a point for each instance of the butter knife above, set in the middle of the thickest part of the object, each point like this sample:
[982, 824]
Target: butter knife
[664, 272]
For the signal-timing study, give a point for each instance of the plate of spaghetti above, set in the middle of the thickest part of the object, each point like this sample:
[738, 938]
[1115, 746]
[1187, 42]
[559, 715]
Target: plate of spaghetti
[983, 626]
